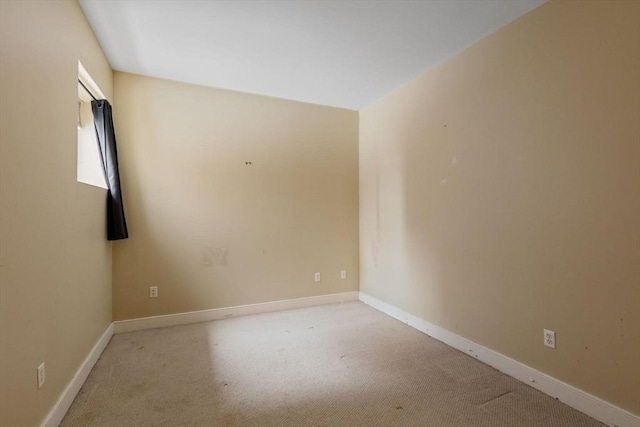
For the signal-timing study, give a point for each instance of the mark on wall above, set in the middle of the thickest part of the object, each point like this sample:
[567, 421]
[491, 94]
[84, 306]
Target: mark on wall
[374, 252]
[214, 256]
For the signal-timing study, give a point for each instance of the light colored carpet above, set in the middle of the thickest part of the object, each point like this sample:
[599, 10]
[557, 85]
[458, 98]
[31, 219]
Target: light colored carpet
[334, 365]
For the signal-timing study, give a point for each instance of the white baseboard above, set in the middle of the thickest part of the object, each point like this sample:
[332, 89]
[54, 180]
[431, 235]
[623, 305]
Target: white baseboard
[59, 410]
[121, 326]
[572, 396]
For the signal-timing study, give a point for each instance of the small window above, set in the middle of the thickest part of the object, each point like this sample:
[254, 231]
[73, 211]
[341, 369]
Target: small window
[89, 166]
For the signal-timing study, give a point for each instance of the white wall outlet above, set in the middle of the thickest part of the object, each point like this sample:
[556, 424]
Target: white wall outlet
[153, 292]
[549, 338]
[343, 274]
[41, 376]
[317, 277]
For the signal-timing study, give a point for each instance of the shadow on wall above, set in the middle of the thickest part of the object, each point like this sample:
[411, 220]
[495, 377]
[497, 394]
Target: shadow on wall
[164, 199]
[129, 287]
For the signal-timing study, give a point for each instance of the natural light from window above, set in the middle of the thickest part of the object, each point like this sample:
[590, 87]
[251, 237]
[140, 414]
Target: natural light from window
[89, 165]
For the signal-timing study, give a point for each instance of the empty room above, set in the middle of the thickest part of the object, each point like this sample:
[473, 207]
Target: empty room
[319, 213]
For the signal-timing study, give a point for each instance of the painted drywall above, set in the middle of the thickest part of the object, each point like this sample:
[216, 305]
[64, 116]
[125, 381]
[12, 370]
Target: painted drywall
[500, 195]
[209, 229]
[55, 261]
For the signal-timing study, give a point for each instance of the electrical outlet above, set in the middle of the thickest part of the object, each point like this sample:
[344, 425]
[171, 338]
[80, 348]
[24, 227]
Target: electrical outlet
[343, 274]
[549, 338]
[317, 277]
[153, 292]
[41, 376]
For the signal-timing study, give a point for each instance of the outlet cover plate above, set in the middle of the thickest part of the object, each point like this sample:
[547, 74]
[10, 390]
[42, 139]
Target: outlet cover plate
[41, 376]
[549, 338]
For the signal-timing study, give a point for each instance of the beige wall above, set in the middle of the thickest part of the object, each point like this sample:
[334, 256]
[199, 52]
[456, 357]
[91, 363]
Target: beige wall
[55, 262]
[499, 196]
[501, 191]
[212, 232]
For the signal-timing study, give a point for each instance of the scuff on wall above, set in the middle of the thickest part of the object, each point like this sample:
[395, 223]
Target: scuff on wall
[214, 256]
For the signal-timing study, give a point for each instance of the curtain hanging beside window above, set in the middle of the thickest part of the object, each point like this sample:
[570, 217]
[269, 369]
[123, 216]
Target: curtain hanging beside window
[103, 121]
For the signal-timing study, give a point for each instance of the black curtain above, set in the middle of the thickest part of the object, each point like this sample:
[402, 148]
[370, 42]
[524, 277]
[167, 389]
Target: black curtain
[103, 122]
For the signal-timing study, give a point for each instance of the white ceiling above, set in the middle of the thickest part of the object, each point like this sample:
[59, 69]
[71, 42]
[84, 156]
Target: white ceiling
[340, 53]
